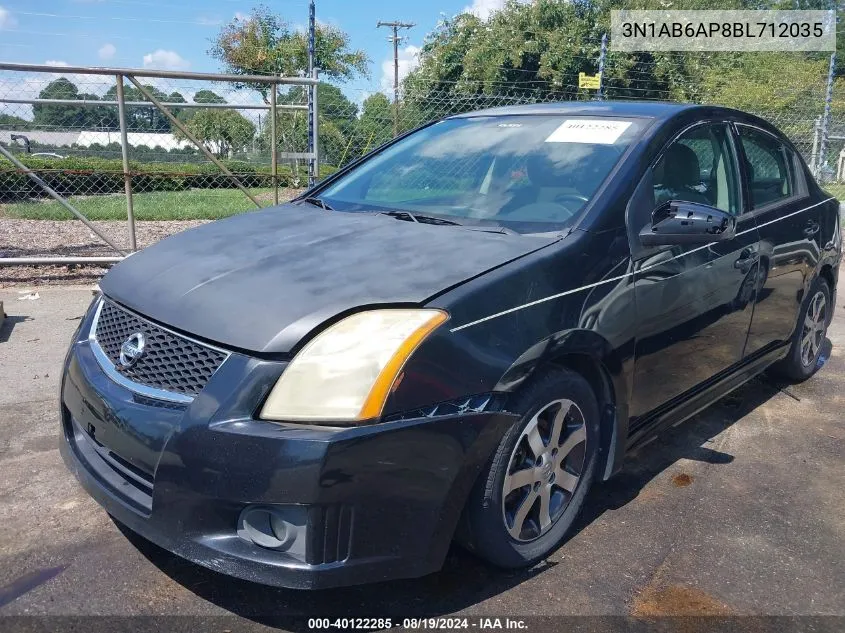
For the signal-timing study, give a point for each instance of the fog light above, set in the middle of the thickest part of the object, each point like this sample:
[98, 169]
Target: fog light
[273, 528]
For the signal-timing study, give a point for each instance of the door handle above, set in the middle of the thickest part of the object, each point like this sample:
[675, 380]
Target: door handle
[747, 258]
[811, 229]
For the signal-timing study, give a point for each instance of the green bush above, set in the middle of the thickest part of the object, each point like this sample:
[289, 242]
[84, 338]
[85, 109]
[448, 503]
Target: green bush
[85, 176]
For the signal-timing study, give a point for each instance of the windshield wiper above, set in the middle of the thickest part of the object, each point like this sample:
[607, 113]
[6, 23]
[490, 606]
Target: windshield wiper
[492, 229]
[317, 202]
[419, 218]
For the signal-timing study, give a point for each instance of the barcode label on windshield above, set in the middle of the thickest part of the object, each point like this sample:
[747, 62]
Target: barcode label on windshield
[601, 132]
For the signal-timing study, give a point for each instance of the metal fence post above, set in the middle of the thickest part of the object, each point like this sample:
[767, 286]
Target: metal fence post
[602, 57]
[274, 164]
[117, 107]
[822, 160]
[814, 157]
[58, 198]
[127, 175]
[315, 134]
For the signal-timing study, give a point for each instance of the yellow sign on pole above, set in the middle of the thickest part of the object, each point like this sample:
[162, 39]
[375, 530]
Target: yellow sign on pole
[592, 82]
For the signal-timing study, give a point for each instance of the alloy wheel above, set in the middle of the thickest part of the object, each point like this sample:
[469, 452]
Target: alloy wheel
[815, 324]
[544, 470]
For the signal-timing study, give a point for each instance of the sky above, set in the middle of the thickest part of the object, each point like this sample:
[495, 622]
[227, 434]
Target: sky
[175, 34]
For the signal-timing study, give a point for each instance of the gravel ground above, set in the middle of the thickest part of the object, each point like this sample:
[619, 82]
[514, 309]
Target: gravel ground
[33, 238]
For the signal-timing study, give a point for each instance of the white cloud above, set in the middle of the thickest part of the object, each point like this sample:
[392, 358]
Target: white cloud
[241, 17]
[360, 97]
[54, 62]
[107, 51]
[209, 21]
[409, 59]
[7, 20]
[165, 60]
[485, 8]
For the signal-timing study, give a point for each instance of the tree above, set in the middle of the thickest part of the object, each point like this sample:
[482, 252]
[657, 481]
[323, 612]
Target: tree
[11, 122]
[535, 52]
[208, 96]
[180, 113]
[338, 124]
[264, 44]
[145, 118]
[67, 116]
[376, 123]
[59, 116]
[223, 131]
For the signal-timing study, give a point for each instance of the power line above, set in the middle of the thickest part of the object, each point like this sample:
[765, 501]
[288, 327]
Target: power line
[119, 19]
[395, 25]
[83, 34]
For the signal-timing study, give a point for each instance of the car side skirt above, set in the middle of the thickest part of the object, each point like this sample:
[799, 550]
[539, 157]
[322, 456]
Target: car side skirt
[645, 429]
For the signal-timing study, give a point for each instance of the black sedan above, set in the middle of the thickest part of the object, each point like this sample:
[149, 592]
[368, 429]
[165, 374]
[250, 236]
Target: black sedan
[452, 338]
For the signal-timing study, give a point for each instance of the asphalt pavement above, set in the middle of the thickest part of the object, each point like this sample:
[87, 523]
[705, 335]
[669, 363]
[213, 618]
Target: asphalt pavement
[738, 511]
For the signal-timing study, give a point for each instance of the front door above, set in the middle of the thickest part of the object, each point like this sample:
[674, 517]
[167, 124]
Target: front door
[693, 303]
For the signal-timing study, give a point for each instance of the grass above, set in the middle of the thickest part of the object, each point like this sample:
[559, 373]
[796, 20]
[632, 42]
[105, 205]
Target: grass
[836, 189]
[196, 204]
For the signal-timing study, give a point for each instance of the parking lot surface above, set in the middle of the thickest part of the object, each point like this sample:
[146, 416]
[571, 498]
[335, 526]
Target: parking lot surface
[739, 511]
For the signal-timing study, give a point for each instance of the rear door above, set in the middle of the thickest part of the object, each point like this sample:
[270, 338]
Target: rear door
[693, 302]
[788, 226]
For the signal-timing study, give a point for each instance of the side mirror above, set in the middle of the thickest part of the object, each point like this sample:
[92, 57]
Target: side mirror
[679, 222]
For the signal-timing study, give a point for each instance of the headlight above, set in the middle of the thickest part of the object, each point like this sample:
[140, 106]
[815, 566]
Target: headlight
[346, 372]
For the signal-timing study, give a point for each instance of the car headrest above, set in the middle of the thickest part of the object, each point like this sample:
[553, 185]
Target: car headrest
[681, 167]
[542, 171]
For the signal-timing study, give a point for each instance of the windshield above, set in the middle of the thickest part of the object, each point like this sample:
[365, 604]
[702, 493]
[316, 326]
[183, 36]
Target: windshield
[526, 173]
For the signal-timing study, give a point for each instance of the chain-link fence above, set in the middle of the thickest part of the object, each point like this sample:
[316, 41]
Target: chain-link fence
[123, 145]
[191, 146]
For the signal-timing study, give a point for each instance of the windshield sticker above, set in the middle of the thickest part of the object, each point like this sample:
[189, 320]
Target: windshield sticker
[595, 132]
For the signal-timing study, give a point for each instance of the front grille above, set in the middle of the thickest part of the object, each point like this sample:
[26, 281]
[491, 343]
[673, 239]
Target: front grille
[170, 362]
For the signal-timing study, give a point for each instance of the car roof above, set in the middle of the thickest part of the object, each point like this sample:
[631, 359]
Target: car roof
[645, 109]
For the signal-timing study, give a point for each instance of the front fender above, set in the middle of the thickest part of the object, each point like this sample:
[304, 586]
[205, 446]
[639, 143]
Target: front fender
[568, 343]
[589, 353]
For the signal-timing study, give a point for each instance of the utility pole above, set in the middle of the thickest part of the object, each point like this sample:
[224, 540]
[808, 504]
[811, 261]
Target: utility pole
[602, 60]
[313, 165]
[395, 25]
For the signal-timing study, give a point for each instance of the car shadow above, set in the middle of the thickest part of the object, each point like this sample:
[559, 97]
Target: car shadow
[464, 579]
[9, 324]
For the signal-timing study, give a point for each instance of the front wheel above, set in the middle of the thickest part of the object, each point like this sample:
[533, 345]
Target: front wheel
[803, 358]
[535, 484]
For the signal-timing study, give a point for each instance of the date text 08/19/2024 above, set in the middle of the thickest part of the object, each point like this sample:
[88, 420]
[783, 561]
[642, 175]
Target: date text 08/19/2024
[448, 623]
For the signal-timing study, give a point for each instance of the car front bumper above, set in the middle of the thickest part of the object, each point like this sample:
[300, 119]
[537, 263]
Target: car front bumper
[373, 502]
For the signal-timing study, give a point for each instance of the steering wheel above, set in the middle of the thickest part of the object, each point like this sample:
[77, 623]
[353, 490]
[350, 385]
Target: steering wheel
[581, 200]
[540, 212]
[554, 210]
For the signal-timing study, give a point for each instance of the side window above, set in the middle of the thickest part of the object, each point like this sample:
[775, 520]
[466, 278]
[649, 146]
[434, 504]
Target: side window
[767, 163]
[699, 167]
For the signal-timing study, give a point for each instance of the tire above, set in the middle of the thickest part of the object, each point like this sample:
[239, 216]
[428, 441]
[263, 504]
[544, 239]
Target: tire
[497, 526]
[801, 361]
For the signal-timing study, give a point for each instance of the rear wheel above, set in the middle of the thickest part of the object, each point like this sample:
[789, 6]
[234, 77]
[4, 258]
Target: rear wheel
[535, 484]
[802, 360]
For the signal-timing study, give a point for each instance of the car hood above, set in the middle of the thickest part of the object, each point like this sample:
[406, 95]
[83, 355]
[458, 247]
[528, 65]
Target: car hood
[261, 281]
